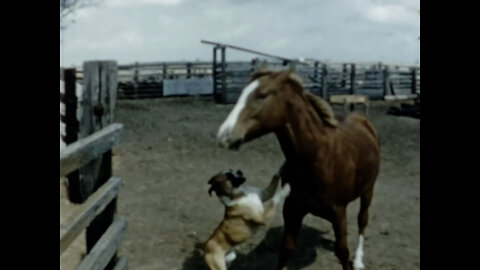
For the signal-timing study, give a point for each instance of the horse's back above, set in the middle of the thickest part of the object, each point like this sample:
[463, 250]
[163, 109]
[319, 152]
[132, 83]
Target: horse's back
[360, 121]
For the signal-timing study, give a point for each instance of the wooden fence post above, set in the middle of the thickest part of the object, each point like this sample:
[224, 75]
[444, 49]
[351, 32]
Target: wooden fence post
[386, 81]
[315, 76]
[352, 85]
[135, 80]
[98, 106]
[324, 82]
[189, 70]
[71, 127]
[216, 95]
[223, 74]
[343, 83]
[164, 71]
[352, 80]
[414, 81]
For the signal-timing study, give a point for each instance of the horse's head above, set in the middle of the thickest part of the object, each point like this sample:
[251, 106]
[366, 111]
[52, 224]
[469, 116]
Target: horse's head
[260, 109]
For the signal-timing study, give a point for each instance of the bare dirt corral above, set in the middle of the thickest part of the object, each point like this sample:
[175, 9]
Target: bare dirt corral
[168, 154]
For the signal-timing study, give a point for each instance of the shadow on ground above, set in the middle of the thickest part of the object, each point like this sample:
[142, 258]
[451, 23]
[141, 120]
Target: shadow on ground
[264, 256]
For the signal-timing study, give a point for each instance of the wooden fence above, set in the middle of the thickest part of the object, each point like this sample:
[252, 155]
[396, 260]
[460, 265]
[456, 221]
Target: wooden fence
[375, 80]
[87, 163]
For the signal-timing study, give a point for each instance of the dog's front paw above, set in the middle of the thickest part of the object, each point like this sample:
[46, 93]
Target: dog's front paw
[286, 190]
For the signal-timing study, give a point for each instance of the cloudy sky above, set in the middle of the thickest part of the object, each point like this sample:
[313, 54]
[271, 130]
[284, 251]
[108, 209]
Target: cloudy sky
[171, 30]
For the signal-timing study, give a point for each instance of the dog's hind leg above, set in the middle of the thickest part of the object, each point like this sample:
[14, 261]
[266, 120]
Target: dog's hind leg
[216, 260]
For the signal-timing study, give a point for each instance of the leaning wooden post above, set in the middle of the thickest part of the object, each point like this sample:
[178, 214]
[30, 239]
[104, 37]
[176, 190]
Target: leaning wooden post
[98, 105]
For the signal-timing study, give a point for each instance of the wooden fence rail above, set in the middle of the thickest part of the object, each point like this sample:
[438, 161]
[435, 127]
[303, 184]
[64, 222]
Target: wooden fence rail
[82, 151]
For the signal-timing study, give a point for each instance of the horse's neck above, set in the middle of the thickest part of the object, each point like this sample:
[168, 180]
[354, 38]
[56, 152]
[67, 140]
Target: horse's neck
[303, 132]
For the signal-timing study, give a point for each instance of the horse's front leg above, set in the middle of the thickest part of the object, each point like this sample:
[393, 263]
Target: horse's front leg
[339, 223]
[293, 215]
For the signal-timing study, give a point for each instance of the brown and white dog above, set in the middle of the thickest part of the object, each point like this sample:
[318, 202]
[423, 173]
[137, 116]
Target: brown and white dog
[246, 208]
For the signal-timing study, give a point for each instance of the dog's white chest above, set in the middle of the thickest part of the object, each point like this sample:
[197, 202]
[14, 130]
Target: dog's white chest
[251, 201]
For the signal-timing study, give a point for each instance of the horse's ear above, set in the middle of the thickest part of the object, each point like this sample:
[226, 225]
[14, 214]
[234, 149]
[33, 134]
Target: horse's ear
[262, 71]
[263, 68]
[285, 74]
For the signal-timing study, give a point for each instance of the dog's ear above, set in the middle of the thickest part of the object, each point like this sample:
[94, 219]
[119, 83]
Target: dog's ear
[211, 182]
[239, 173]
[238, 180]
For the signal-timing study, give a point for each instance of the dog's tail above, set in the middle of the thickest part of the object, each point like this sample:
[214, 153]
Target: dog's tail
[268, 192]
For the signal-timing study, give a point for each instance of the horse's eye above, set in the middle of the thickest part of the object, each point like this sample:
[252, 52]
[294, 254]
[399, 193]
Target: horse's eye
[262, 96]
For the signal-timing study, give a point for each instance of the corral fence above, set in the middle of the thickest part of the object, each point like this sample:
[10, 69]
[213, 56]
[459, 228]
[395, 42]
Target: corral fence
[225, 80]
[377, 81]
[86, 161]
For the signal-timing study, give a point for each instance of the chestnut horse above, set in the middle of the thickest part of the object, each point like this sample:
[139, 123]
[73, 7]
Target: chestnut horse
[328, 163]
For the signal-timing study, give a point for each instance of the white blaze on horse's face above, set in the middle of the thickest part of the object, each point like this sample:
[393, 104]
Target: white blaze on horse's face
[224, 135]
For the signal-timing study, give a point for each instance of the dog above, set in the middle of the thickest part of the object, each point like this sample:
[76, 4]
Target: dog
[246, 209]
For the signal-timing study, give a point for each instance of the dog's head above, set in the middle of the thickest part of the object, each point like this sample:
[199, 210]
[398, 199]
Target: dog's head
[224, 183]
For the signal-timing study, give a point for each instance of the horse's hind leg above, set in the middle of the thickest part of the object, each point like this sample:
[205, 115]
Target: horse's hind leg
[365, 200]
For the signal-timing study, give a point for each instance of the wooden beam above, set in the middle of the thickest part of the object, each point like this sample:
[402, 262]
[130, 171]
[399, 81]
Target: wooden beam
[122, 264]
[83, 216]
[105, 247]
[79, 153]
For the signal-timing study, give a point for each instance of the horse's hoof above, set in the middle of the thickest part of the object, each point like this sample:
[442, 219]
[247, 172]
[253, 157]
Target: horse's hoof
[358, 265]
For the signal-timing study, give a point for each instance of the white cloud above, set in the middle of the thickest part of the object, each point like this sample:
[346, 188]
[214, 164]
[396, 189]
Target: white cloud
[392, 14]
[171, 30]
[132, 3]
[120, 41]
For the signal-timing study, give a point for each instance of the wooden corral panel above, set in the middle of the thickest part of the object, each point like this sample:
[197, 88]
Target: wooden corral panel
[146, 80]
[88, 164]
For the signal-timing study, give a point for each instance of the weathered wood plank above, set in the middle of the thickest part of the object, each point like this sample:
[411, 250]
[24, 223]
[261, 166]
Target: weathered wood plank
[82, 151]
[84, 215]
[106, 246]
[122, 264]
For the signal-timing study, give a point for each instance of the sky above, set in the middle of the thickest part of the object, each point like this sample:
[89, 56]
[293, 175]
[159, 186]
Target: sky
[170, 30]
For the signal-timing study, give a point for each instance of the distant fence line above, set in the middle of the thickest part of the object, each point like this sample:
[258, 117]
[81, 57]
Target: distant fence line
[225, 80]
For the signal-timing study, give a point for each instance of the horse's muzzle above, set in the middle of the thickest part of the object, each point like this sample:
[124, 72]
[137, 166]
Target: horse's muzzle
[230, 144]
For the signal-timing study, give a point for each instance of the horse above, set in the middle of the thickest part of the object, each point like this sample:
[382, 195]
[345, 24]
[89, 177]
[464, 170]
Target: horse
[329, 163]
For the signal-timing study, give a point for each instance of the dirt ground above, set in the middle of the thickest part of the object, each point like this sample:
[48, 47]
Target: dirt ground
[168, 153]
